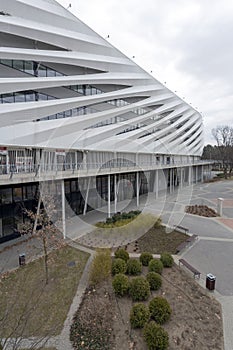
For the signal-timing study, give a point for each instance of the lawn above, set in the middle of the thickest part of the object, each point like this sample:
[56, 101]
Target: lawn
[29, 307]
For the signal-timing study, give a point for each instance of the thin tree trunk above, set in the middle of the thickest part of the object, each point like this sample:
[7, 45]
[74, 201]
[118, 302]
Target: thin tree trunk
[46, 260]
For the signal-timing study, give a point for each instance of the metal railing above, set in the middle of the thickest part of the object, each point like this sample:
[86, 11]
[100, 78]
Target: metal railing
[111, 166]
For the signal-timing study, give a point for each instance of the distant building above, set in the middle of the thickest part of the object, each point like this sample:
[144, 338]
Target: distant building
[75, 110]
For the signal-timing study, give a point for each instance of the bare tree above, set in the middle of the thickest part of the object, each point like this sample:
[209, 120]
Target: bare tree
[224, 138]
[41, 226]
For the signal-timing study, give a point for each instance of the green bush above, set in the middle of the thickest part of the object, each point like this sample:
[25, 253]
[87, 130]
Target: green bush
[118, 266]
[122, 254]
[154, 280]
[120, 284]
[155, 336]
[156, 265]
[139, 315]
[145, 258]
[166, 259]
[160, 310]
[134, 267]
[139, 289]
[119, 219]
[101, 266]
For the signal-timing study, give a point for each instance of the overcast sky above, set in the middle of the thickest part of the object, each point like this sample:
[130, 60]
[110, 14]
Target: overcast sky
[187, 44]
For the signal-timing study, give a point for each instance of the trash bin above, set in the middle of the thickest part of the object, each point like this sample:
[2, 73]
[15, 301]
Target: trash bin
[210, 281]
[22, 259]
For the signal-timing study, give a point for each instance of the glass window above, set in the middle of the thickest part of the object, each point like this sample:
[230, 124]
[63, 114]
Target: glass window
[88, 90]
[6, 195]
[58, 74]
[28, 67]
[51, 72]
[30, 96]
[7, 98]
[7, 225]
[19, 97]
[17, 194]
[42, 71]
[68, 113]
[17, 64]
[67, 186]
[7, 62]
[42, 97]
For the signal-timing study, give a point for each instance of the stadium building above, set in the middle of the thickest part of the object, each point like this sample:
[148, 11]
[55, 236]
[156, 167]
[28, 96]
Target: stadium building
[77, 112]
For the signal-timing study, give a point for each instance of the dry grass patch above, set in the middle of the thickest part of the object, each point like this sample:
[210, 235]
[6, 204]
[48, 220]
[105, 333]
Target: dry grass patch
[156, 240]
[29, 307]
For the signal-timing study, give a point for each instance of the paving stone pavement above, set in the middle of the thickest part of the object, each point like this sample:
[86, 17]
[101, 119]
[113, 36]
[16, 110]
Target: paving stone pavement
[212, 252]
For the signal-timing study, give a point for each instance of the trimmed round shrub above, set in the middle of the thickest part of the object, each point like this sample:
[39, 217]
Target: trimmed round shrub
[166, 259]
[120, 284]
[156, 265]
[122, 254]
[139, 289]
[139, 315]
[145, 258]
[118, 266]
[155, 336]
[160, 310]
[133, 267]
[154, 280]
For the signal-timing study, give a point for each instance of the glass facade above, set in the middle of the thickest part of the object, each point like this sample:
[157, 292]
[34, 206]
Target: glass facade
[13, 200]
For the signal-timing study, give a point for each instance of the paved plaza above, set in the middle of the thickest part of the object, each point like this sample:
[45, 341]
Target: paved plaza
[212, 252]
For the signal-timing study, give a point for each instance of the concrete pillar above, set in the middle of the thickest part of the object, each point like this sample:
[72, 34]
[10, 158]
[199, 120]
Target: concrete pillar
[202, 173]
[63, 208]
[115, 193]
[137, 188]
[190, 176]
[156, 183]
[109, 196]
[86, 197]
[181, 177]
[170, 177]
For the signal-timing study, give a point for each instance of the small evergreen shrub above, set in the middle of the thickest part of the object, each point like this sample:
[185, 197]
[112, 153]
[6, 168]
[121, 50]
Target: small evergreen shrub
[166, 259]
[122, 254]
[145, 258]
[134, 267]
[154, 280]
[155, 336]
[139, 289]
[118, 266]
[160, 310]
[101, 267]
[120, 284]
[139, 315]
[156, 265]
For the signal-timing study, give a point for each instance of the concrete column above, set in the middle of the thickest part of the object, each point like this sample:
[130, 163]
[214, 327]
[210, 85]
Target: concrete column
[156, 183]
[170, 176]
[76, 161]
[173, 179]
[109, 196]
[202, 173]
[137, 188]
[37, 214]
[115, 193]
[63, 208]
[190, 176]
[181, 177]
[86, 197]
